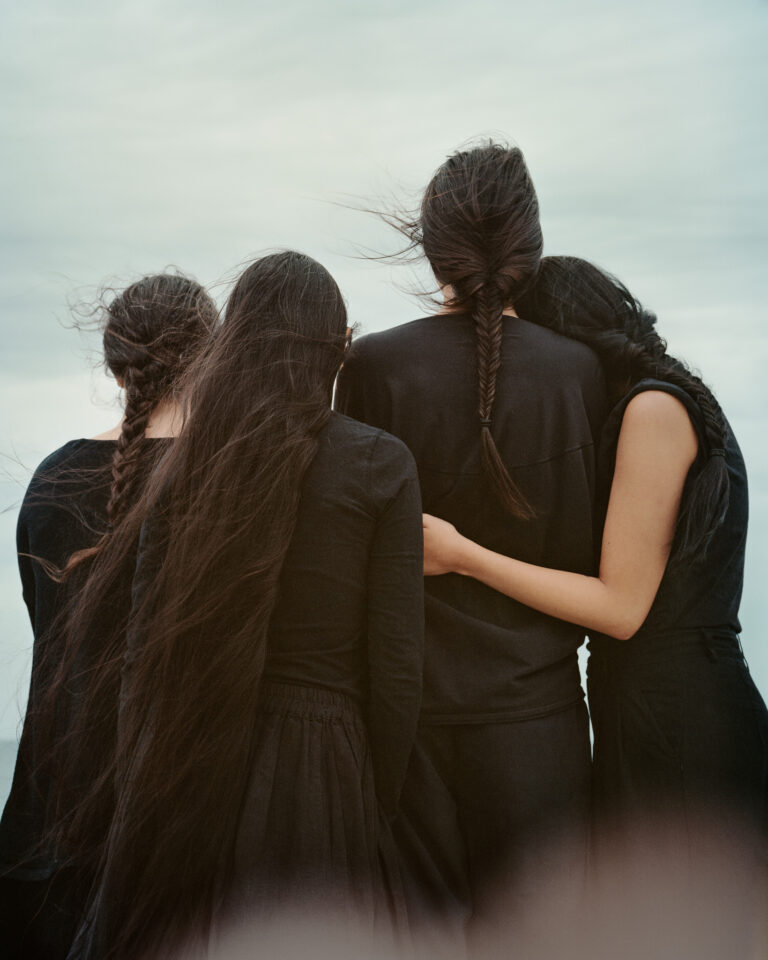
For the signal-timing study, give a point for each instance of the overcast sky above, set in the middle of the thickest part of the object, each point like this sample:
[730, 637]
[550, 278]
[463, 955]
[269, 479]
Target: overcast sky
[146, 133]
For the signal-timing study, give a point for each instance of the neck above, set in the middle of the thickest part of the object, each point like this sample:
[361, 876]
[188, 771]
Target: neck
[449, 307]
[166, 420]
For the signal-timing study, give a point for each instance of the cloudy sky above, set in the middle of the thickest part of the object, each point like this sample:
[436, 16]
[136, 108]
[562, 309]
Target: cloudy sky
[146, 133]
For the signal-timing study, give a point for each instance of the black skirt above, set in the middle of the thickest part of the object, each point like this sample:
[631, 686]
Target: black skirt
[311, 836]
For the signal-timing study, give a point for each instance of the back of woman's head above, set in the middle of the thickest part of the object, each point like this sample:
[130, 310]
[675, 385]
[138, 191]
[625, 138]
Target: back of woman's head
[479, 224]
[152, 330]
[579, 300]
[285, 317]
[479, 227]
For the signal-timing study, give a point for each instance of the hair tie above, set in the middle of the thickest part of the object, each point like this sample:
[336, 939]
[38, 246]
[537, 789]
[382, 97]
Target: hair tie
[485, 421]
[717, 452]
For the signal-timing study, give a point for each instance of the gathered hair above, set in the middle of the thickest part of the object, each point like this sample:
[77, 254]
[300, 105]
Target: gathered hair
[478, 226]
[579, 300]
[217, 513]
[151, 331]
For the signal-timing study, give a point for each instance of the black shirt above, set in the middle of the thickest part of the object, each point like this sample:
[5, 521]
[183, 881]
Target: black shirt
[350, 612]
[489, 658]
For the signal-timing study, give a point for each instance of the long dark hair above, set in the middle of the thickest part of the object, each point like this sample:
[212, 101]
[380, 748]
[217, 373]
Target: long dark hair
[223, 502]
[479, 228]
[580, 300]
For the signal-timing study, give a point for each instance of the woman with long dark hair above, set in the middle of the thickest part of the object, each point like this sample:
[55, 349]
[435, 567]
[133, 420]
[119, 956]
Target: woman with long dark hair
[681, 732]
[501, 416]
[76, 498]
[272, 682]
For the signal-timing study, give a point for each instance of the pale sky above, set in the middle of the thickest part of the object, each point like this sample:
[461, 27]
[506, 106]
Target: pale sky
[146, 133]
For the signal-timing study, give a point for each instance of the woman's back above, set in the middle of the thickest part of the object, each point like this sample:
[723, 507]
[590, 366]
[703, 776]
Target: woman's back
[419, 382]
[350, 603]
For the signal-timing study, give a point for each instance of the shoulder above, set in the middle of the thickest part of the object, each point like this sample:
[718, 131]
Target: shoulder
[659, 420]
[71, 452]
[76, 465]
[559, 349]
[394, 341]
[378, 445]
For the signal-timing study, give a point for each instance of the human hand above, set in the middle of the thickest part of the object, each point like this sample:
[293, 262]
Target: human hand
[442, 544]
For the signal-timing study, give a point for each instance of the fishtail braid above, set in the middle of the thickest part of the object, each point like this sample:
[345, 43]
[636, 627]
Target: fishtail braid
[487, 313]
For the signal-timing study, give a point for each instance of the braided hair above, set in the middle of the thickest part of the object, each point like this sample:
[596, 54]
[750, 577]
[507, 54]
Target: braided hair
[151, 332]
[478, 226]
[577, 299]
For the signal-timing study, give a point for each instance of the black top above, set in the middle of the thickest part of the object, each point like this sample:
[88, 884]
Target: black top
[699, 593]
[487, 656]
[350, 613]
[64, 510]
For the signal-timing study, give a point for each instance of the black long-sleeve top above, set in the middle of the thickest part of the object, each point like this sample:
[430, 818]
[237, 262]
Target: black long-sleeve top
[489, 658]
[350, 613]
[64, 510]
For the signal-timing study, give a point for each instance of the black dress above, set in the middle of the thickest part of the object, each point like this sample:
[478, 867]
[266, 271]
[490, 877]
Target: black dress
[64, 510]
[338, 707]
[504, 719]
[681, 732]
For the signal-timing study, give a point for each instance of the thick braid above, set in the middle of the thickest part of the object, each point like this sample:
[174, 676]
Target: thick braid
[487, 313]
[143, 387]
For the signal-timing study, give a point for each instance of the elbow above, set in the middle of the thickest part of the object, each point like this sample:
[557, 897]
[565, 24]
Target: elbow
[625, 624]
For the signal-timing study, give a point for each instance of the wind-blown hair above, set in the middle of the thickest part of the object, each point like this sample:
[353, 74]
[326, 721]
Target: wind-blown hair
[581, 301]
[479, 228]
[220, 510]
[151, 332]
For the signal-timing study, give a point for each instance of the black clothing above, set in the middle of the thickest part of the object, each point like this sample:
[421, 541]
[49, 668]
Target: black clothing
[523, 795]
[489, 658]
[504, 723]
[681, 731]
[64, 510]
[350, 613]
[338, 709]
[311, 833]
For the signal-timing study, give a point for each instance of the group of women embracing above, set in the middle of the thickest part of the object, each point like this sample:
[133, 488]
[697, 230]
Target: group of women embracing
[248, 701]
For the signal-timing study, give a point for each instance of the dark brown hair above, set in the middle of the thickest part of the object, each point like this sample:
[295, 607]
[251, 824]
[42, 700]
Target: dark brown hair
[479, 228]
[581, 301]
[151, 332]
[218, 515]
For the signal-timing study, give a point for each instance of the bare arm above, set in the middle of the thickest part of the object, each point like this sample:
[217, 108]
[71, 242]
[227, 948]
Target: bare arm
[657, 445]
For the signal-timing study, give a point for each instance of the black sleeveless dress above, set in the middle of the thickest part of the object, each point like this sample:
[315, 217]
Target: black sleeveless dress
[681, 732]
